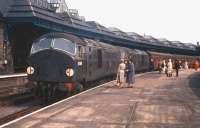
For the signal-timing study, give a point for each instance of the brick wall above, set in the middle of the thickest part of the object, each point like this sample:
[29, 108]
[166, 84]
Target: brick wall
[5, 69]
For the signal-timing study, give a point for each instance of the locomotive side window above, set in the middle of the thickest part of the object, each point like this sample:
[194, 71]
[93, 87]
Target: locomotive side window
[81, 51]
[90, 49]
[42, 44]
[64, 45]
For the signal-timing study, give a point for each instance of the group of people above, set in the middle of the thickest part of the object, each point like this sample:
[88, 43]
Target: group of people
[126, 71]
[168, 67]
[125, 74]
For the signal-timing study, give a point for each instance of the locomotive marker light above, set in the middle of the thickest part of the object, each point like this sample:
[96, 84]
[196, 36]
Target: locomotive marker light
[30, 70]
[69, 72]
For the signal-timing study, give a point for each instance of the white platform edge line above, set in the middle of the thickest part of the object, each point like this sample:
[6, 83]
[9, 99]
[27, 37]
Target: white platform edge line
[4, 125]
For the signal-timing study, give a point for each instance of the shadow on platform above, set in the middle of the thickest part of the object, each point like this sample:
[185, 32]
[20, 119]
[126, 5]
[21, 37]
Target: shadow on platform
[194, 83]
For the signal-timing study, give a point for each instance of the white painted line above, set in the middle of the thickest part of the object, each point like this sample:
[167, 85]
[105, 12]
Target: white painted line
[13, 75]
[42, 109]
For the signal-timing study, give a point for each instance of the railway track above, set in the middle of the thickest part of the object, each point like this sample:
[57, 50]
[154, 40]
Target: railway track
[14, 99]
[18, 114]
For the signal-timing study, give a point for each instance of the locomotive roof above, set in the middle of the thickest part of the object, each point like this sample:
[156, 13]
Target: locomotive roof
[158, 53]
[79, 40]
[64, 35]
[98, 44]
[134, 51]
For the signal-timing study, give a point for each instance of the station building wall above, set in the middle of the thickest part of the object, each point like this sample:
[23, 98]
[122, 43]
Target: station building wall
[5, 68]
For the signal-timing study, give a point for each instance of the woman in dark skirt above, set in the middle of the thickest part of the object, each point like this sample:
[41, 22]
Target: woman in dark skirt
[130, 70]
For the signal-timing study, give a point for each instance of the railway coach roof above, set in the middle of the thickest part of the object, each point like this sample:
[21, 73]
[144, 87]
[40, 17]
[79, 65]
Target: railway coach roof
[159, 54]
[140, 52]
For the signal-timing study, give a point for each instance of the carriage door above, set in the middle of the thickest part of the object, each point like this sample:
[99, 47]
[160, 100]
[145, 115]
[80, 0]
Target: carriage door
[99, 56]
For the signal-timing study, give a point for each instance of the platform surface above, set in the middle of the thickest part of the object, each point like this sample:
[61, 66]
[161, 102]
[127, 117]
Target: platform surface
[156, 101]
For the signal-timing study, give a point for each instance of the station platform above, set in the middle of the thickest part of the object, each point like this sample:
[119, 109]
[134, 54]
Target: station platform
[156, 101]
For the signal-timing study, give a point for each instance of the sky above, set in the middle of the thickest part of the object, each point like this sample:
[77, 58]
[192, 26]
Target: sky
[176, 20]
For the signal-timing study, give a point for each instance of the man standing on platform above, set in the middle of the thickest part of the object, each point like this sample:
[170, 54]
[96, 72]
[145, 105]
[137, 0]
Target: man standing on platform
[130, 70]
[177, 67]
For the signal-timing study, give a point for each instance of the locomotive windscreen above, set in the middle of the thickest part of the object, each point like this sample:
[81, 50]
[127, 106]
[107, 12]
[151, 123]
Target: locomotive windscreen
[42, 44]
[54, 43]
[64, 45]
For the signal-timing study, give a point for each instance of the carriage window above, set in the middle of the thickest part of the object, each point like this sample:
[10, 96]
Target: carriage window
[65, 45]
[42, 44]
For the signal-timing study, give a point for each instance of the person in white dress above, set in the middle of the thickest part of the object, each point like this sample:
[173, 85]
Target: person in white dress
[186, 65]
[120, 74]
[169, 68]
[163, 66]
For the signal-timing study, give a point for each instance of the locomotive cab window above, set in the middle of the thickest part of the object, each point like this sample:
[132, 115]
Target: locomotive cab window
[64, 45]
[42, 44]
[55, 43]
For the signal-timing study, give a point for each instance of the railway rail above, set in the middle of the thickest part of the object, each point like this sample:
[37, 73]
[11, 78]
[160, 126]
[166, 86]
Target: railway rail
[18, 114]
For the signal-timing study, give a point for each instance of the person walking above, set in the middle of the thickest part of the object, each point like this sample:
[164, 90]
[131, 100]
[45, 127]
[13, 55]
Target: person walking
[177, 67]
[163, 66]
[160, 67]
[120, 74]
[130, 70]
[196, 65]
[186, 65]
[151, 65]
[169, 68]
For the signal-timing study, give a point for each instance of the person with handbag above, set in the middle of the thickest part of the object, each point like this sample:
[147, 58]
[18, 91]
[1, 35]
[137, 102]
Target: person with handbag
[120, 74]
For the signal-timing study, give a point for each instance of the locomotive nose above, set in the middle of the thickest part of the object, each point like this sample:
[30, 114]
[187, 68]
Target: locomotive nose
[52, 66]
